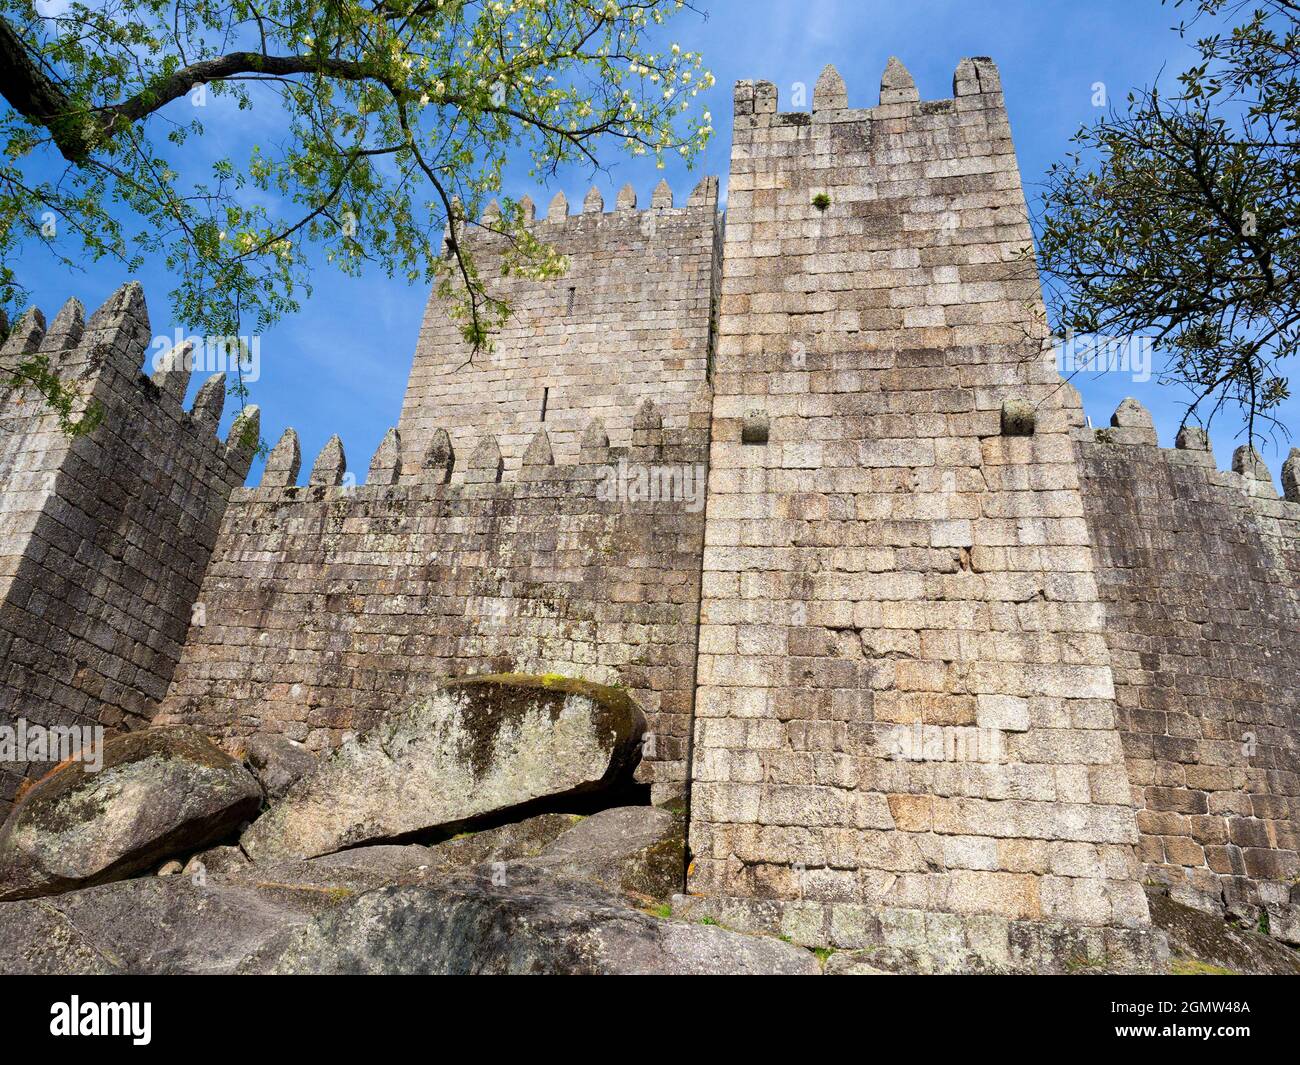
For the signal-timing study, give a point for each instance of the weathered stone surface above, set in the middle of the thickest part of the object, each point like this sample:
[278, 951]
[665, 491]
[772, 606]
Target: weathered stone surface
[277, 762]
[365, 868]
[521, 839]
[160, 792]
[1202, 942]
[854, 963]
[638, 850]
[485, 462]
[209, 402]
[538, 453]
[224, 859]
[340, 875]
[1132, 424]
[893, 566]
[330, 465]
[439, 457]
[1192, 438]
[474, 747]
[829, 94]
[897, 85]
[153, 925]
[282, 464]
[1291, 476]
[386, 464]
[1284, 920]
[517, 919]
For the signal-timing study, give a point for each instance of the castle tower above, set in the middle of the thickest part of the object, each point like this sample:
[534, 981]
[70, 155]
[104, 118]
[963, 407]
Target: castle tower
[905, 719]
[628, 321]
[104, 536]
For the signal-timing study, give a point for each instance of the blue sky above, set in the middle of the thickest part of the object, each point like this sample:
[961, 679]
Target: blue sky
[340, 366]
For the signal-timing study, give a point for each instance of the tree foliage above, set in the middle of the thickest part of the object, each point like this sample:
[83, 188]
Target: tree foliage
[1176, 216]
[388, 124]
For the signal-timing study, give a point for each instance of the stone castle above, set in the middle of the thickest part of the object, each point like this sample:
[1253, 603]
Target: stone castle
[931, 657]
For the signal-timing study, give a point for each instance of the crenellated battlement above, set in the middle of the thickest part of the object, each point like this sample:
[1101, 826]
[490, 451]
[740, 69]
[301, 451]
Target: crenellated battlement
[1131, 426]
[976, 85]
[1198, 568]
[629, 320]
[480, 470]
[104, 357]
[334, 599]
[592, 210]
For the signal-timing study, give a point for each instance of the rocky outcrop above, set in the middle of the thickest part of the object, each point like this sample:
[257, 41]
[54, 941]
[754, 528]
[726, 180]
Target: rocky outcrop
[554, 893]
[516, 919]
[159, 793]
[1204, 943]
[152, 925]
[474, 748]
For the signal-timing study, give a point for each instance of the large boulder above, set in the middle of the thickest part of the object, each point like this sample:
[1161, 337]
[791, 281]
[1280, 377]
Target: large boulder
[515, 918]
[474, 749]
[159, 793]
[204, 921]
[636, 850]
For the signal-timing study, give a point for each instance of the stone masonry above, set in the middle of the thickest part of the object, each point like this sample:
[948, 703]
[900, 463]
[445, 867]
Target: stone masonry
[628, 321]
[931, 662]
[905, 703]
[1199, 570]
[105, 537]
[327, 604]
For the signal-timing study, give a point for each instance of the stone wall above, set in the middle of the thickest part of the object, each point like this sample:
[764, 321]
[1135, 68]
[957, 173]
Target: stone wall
[104, 537]
[905, 720]
[1200, 572]
[628, 321]
[326, 604]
